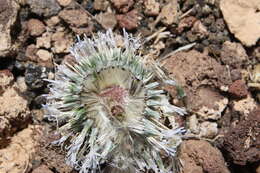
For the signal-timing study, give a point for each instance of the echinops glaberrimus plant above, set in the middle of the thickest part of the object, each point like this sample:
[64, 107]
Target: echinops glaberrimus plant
[109, 104]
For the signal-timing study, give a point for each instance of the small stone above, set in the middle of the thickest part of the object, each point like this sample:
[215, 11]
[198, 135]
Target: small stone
[61, 42]
[209, 20]
[242, 141]
[208, 129]
[238, 89]
[101, 5]
[8, 13]
[16, 157]
[187, 5]
[35, 27]
[199, 29]
[123, 5]
[220, 24]
[6, 77]
[233, 54]
[181, 40]
[214, 109]
[44, 41]
[34, 76]
[194, 124]
[20, 82]
[64, 2]
[51, 75]
[152, 8]
[31, 52]
[53, 21]
[42, 169]
[206, 10]
[107, 20]
[44, 57]
[197, 156]
[14, 112]
[242, 18]
[129, 20]
[235, 74]
[186, 23]
[170, 13]
[76, 18]
[45, 8]
[191, 36]
[255, 76]
[245, 106]
[257, 53]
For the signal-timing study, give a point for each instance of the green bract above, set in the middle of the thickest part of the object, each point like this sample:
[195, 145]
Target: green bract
[110, 102]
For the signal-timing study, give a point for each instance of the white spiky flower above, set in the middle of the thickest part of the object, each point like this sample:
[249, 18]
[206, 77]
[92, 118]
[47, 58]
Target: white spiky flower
[109, 103]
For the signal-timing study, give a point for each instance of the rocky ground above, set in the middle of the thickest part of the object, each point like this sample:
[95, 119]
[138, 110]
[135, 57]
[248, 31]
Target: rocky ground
[217, 62]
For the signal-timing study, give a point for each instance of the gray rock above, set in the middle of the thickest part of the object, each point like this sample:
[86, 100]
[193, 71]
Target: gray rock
[8, 14]
[45, 8]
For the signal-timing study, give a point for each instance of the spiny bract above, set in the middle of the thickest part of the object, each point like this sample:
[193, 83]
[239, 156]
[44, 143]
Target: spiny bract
[109, 103]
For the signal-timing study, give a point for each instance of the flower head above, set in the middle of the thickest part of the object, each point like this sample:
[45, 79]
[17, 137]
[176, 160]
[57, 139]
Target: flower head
[110, 104]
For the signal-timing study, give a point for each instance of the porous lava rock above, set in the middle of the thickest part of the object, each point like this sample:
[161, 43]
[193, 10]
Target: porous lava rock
[201, 77]
[242, 141]
[197, 156]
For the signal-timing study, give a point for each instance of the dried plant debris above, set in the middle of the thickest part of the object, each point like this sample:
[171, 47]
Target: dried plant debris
[109, 104]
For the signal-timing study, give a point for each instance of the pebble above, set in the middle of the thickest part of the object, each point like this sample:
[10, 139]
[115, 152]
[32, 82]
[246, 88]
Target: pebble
[187, 5]
[191, 36]
[44, 8]
[107, 20]
[199, 29]
[53, 21]
[241, 142]
[170, 13]
[35, 27]
[31, 52]
[238, 89]
[101, 5]
[245, 105]
[123, 5]
[129, 20]
[209, 20]
[208, 129]
[186, 23]
[34, 76]
[8, 15]
[235, 74]
[74, 17]
[220, 24]
[233, 54]
[44, 41]
[61, 42]
[193, 124]
[206, 10]
[20, 81]
[6, 77]
[44, 57]
[152, 8]
[198, 156]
